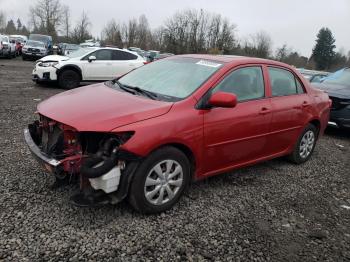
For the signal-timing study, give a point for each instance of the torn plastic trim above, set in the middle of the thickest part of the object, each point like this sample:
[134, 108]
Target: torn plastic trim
[37, 152]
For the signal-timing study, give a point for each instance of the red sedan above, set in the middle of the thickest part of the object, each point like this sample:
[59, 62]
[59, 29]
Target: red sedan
[147, 134]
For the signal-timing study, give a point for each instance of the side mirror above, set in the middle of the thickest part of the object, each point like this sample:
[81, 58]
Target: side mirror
[92, 58]
[223, 99]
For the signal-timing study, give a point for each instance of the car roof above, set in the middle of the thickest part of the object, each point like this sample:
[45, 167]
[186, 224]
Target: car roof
[30, 41]
[233, 59]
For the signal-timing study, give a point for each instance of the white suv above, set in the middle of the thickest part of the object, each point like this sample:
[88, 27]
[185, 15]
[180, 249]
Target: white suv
[86, 64]
[7, 48]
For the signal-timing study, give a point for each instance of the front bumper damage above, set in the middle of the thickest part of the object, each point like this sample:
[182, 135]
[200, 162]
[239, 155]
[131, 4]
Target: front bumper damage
[95, 161]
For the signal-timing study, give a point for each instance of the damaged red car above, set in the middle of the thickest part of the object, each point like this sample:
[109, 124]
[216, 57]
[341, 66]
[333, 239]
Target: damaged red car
[146, 135]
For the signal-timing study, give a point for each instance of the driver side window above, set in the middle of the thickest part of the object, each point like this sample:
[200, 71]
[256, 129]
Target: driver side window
[103, 54]
[246, 83]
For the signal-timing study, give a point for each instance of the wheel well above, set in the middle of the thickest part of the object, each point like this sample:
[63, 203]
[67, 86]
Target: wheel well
[188, 152]
[70, 67]
[316, 123]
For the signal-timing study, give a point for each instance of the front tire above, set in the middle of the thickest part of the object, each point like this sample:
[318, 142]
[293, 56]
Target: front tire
[160, 181]
[68, 79]
[305, 145]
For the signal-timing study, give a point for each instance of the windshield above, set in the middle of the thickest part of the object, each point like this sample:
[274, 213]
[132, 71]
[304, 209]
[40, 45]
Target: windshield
[341, 77]
[42, 38]
[35, 44]
[178, 77]
[80, 52]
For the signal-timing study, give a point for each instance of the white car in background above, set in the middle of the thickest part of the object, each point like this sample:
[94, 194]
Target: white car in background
[7, 48]
[86, 64]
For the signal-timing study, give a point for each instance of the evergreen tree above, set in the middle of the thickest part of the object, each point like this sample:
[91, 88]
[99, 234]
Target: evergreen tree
[10, 28]
[19, 25]
[323, 52]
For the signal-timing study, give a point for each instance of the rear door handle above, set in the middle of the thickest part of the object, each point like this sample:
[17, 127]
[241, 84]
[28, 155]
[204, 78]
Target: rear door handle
[264, 111]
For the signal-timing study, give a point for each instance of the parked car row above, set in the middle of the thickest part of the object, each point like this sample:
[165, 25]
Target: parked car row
[312, 75]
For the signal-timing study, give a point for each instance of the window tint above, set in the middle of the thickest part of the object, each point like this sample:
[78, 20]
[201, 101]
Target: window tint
[283, 82]
[121, 55]
[246, 83]
[103, 54]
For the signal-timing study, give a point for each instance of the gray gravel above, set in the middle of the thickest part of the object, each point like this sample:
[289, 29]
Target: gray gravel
[275, 211]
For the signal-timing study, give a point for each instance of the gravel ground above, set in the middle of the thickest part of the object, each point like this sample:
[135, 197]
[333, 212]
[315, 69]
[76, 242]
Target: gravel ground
[275, 211]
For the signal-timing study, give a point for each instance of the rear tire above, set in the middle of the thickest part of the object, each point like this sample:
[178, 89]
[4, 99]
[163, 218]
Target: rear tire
[305, 145]
[160, 181]
[68, 79]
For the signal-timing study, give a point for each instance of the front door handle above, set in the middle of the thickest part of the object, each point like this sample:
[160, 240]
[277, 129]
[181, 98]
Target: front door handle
[264, 111]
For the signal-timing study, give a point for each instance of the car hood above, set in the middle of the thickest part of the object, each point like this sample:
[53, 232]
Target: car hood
[334, 90]
[54, 58]
[100, 108]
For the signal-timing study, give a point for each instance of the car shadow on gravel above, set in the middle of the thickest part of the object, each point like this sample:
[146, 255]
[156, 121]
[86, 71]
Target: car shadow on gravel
[338, 133]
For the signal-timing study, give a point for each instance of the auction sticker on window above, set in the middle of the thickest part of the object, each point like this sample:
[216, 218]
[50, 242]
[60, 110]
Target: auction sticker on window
[208, 63]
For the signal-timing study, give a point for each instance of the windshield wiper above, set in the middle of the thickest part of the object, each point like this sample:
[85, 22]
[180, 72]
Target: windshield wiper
[121, 86]
[135, 89]
[143, 91]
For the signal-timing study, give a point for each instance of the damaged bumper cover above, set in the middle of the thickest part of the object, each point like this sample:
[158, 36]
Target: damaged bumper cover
[38, 154]
[112, 173]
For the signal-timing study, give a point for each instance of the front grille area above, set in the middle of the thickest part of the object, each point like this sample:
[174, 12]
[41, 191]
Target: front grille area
[338, 103]
[52, 139]
[34, 50]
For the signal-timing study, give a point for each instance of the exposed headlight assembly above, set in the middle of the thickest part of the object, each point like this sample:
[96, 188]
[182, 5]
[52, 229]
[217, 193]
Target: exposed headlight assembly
[48, 64]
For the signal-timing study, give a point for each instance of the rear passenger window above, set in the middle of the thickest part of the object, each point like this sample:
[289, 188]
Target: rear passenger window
[246, 83]
[121, 55]
[284, 83]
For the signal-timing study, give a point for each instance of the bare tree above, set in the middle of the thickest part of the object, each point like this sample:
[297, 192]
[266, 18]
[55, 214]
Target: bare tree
[143, 33]
[111, 34]
[81, 31]
[131, 31]
[46, 15]
[263, 44]
[66, 21]
[282, 53]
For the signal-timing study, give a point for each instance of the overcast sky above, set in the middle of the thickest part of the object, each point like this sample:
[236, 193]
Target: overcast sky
[293, 22]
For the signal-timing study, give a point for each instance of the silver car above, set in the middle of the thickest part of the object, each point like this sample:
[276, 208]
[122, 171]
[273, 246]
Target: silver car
[34, 50]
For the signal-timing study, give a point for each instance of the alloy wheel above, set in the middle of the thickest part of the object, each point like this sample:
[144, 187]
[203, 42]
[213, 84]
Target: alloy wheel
[307, 144]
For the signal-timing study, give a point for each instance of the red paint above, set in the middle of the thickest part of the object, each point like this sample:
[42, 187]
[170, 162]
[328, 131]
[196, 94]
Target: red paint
[222, 99]
[220, 139]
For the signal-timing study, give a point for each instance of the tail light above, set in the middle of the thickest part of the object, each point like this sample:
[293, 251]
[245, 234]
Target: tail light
[146, 62]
